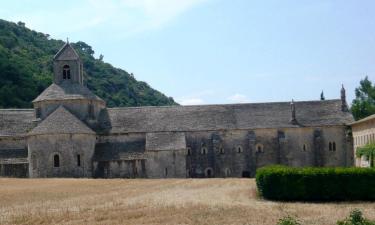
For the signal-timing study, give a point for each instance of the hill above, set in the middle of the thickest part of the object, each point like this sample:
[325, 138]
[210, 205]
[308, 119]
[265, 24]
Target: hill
[26, 70]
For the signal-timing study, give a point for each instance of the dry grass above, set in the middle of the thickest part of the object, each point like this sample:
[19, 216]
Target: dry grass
[187, 201]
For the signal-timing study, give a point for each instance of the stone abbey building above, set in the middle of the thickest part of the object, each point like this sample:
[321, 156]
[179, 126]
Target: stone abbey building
[71, 133]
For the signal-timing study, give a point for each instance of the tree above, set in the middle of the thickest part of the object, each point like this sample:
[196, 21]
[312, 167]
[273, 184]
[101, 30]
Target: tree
[364, 103]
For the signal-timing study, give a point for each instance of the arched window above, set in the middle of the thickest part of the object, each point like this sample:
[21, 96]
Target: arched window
[209, 172]
[227, 172]
[166, 172]
[66, 72]
[334, 146]
[204, 151]
[222, 150]
[56, 160]
[239, 149]
[304, 148]
[330, 146]
[259, 148]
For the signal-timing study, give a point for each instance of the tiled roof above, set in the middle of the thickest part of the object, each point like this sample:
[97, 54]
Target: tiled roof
[120, 150]
[219, 117]
[61, 121]
[16, 121]
[13, 153]
[67, 52]
[372, 117]
[66, 90]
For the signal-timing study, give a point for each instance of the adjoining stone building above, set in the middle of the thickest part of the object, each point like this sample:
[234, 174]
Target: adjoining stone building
[71, 133]
[363, 134]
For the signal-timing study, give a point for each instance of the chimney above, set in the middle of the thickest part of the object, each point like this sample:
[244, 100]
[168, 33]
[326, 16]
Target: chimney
[344, 106]
[293, 109]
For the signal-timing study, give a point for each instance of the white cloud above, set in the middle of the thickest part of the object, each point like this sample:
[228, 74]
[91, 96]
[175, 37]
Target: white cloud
[196, 98]
[238, 98]
[191, 101]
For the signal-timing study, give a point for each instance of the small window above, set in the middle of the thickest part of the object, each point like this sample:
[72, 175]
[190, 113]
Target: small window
[38, 112]
[304, 148]
[91, 111]
[204, 151]
[259, 148]
[222, 150]
[332, 146]
[66, 72]
[56, 160]
[239, 149]
[188, 151]
[209, 172]
[227, 172]
[79, 160]
[166, 172]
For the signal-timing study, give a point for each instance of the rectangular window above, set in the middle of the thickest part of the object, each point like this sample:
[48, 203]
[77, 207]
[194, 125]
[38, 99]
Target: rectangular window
[91, 111]
[38, 112]
[79, 160]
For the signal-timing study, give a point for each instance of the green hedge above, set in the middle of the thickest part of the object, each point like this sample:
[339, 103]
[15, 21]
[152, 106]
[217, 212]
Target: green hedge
[316, 184]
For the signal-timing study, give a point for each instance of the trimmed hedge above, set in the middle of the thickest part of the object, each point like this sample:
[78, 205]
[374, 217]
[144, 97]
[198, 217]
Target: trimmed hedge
[316, 184]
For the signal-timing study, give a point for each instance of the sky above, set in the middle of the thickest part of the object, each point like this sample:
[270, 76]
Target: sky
[220, 51]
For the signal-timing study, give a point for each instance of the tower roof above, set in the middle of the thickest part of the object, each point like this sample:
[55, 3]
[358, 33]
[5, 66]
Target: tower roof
[61, 121]
[67, 52]
[66, 91]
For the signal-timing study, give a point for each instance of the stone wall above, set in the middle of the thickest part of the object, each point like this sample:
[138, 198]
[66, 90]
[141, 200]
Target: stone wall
[132, 168]
[82, 109]
[237, 153]
[43, 148]
[75, 70]
[166, 164]
[19, 170]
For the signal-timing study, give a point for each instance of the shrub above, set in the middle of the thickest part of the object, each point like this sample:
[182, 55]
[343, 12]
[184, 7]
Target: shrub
[289, 220]
[316, 184]
[355, 218]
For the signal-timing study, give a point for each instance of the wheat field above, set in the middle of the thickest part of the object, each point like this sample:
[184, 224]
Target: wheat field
[172, 201]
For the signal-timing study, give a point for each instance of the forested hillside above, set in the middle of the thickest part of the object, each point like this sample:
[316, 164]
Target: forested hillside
[26, 70]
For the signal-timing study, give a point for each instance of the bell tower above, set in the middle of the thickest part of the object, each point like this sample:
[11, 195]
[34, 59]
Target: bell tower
[68, 90]
[67, 66]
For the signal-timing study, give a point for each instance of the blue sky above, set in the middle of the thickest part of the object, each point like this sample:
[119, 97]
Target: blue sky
[220, 51]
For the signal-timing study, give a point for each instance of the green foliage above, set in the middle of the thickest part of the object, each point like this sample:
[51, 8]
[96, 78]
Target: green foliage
[26, 70]
[368, 151]
[364, 103]
[316, 184]
[288, 220]
[355, 218]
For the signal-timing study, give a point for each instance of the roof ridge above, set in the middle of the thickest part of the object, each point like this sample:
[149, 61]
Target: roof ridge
[67, 44]
[229, 104]
[56, 123]
[15, 109]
